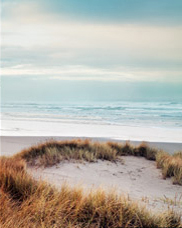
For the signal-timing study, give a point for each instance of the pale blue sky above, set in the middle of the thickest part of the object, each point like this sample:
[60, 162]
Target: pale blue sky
[132, 47]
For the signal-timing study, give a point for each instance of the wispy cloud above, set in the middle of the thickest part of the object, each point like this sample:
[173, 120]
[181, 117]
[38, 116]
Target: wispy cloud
[86, 73]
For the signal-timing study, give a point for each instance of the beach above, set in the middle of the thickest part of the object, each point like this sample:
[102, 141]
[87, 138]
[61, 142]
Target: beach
[134, 177]
[25, 124]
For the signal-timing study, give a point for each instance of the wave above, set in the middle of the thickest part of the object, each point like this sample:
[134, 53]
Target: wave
[165, 114]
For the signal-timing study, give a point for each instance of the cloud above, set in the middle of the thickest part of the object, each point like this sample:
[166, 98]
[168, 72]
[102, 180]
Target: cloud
[86, 73]
[58, 33]
[35, 42]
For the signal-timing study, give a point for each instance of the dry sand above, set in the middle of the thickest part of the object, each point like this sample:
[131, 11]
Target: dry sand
[135, 177]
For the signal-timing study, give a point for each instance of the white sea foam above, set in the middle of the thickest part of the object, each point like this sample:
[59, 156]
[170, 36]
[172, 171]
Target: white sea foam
[150, 121]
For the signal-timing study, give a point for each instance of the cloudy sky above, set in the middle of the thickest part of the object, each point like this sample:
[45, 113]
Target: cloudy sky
[65, 49]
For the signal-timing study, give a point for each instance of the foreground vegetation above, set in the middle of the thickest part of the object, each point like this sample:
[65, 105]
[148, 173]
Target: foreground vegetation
[27, 203]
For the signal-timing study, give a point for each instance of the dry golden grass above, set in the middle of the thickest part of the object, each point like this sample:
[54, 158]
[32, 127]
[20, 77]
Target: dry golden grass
[171, 166]
[26, 203]
[52, 152]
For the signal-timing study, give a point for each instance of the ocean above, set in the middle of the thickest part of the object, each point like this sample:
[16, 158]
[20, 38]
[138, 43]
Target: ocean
[150, 121]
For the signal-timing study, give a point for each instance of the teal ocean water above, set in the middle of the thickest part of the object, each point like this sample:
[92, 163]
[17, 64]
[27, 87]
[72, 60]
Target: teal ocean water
[153, 114]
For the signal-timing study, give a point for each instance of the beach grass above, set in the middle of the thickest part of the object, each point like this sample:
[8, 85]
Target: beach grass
[53, 152]
[27, 203]
[171, 166]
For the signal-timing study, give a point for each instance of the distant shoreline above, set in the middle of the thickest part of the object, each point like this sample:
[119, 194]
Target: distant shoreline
[13, 144]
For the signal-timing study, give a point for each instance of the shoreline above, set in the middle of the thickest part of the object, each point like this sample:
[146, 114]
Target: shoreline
[11, 145]
[56, 128]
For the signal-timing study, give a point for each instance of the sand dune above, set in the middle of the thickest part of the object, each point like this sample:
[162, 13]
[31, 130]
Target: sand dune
[136, 177]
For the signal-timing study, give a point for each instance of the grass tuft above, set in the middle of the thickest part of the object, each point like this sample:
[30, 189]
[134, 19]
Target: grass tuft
[171, 166]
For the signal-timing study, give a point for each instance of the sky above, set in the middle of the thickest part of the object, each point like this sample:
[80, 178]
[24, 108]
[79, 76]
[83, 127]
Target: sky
[91, 50]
